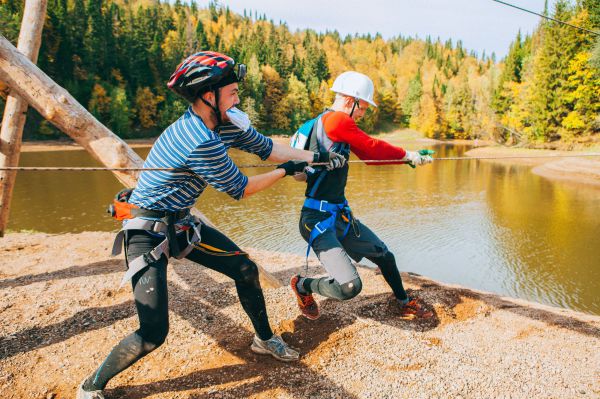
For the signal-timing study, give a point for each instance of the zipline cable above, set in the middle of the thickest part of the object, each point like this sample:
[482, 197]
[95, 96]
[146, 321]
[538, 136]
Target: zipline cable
[245, 166]
[549, 18]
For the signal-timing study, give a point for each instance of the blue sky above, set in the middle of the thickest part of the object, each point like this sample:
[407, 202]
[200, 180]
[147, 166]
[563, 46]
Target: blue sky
[480, 24]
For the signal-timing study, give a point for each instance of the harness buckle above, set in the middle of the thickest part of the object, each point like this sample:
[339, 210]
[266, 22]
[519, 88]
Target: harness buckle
[156, 227]
[318, 228]
[321, 206]
[149, 258]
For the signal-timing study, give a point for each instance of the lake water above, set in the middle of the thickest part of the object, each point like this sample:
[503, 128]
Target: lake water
[491, 227]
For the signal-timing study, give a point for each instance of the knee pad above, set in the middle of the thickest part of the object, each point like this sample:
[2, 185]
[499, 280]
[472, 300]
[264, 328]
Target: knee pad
[350, 289]
[249, 273]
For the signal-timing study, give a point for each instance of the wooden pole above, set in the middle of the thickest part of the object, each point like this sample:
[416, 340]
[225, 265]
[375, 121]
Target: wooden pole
[60, 108]
[11, 131]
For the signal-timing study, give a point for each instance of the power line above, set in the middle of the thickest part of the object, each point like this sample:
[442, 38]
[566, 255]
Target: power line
[547, 17]
[245, 166]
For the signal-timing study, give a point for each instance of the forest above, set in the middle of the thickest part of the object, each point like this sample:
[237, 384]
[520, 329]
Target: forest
[115, 57]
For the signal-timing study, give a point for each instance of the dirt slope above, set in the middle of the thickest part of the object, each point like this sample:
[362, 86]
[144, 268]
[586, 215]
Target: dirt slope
[61, 313]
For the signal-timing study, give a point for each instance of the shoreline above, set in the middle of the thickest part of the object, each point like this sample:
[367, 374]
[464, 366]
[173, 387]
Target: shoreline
[398, 136]
[62, 313]
[570, 170]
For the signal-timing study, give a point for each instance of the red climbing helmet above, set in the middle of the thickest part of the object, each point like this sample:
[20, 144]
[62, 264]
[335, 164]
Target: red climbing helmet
[202, 72]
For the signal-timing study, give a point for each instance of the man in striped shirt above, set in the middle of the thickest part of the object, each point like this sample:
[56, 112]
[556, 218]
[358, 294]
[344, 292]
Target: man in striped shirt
[194, 150]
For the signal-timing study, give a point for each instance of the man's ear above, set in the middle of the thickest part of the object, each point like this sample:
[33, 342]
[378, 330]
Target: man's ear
[209, 96]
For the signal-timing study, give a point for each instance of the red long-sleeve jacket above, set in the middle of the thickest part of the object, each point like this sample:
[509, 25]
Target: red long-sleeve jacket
[340, 127]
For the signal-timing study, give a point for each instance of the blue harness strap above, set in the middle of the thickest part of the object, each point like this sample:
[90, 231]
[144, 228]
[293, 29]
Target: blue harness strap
[329, 223]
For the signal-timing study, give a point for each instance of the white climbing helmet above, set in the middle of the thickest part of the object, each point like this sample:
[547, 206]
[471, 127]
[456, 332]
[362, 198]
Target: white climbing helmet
[356, 85]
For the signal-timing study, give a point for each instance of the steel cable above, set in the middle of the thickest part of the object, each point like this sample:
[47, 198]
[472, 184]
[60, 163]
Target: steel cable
[269, 165]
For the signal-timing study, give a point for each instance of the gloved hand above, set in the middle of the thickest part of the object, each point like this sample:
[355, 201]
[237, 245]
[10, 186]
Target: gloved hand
[239, 118]
[333, 159]
[293, 167]
[419, 158]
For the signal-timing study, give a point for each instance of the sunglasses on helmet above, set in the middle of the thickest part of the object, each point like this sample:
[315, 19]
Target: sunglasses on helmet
[241, 72]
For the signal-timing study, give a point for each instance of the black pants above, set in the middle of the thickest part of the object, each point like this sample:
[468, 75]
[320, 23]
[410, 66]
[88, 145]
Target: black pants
[216, 252]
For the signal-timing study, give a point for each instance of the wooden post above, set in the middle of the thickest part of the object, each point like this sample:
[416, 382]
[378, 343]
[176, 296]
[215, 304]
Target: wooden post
[11, 131]
[60, 108]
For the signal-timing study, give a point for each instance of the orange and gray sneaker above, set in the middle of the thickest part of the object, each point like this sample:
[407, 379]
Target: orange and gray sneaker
[307, 304]
[413, 309]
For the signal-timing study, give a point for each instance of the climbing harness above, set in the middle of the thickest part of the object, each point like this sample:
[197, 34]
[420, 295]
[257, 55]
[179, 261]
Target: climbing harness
[343, 210]
[167, 223]
[311, 135]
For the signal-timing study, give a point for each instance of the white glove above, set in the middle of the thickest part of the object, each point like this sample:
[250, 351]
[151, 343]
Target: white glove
[333, 159]
[239, 118]
[416, 159]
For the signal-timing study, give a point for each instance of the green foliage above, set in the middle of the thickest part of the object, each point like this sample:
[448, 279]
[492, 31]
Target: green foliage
[170, 111]
[296, 103]
[582, 97]
[512, 72]
[275, 113]
[120, 112]
[115, 57]
[146, 104]
[459, 109]
[415, 91]
[554, 95]
[100, 102]
[595, 57]
[11, 13]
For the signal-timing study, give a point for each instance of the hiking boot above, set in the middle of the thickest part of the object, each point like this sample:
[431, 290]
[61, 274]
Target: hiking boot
[413, 309]
[307, 304]
[276, 347]
[83, 394]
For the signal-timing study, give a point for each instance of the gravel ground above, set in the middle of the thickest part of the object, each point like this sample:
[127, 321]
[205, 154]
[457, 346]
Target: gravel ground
[62, 312]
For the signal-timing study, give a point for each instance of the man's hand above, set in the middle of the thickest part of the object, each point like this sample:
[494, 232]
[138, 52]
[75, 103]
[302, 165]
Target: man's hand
[333, 159]
[418, 158]
[293, 167]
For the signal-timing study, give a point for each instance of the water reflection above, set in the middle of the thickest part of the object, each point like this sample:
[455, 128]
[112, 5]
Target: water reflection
[492, 227]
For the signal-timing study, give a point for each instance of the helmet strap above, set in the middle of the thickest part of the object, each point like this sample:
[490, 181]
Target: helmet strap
[356, 104]
[215, 107]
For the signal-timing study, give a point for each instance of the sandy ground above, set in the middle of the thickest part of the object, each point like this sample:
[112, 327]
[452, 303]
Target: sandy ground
[584, 170]
[62, 313]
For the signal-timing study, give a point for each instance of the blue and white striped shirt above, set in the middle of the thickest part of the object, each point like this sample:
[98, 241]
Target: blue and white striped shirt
[200, 156]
